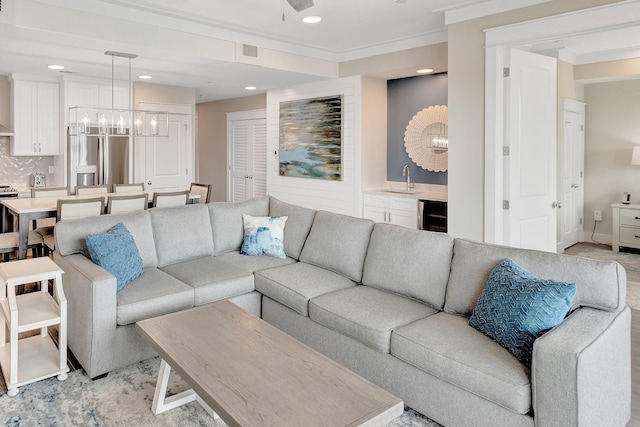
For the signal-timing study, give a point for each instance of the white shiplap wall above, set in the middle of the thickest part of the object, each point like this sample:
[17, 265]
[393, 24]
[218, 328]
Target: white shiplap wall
[344, 196]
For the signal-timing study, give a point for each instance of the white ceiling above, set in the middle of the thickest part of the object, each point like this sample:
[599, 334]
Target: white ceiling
[182, 42]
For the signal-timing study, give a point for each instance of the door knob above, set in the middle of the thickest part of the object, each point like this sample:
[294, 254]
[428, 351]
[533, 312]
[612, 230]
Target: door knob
[556, 205]
[575, 186]
[149, 182]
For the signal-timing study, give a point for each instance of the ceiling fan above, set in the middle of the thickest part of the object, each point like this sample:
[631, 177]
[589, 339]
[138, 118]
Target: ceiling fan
[300, 5]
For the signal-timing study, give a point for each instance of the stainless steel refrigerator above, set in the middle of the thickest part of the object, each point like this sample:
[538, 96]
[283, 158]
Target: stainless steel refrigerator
[97, 159]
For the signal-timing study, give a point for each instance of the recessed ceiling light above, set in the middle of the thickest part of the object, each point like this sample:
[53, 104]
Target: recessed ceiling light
[55, 67]
[145, 77]
[424, 70]
[311, 19]
[250, 87]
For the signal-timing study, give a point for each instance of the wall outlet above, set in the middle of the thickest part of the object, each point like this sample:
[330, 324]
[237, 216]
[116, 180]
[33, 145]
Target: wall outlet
[51, 169]
[597, 215]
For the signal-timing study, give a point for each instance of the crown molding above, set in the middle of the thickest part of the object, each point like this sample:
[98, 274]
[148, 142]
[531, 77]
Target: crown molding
[479, 8]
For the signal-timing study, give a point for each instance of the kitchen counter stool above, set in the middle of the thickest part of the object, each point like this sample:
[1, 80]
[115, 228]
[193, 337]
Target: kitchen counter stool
[36, 357]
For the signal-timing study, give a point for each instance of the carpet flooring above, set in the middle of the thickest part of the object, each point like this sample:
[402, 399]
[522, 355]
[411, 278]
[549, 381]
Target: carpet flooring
[123, 398]
[630, 262]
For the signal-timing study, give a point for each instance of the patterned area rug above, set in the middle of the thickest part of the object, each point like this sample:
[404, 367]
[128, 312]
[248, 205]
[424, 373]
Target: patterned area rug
[123, 398]
[630, 262]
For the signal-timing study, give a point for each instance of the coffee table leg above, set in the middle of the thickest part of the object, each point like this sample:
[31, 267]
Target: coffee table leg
[163, 403]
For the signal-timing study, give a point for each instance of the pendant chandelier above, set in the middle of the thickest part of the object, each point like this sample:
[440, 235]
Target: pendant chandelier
[116, 121]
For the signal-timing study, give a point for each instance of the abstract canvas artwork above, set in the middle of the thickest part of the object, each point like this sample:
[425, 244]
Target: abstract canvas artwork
[311, 138]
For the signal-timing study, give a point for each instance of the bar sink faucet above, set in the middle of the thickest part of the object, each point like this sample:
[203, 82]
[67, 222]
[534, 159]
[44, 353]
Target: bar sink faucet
[406, 171]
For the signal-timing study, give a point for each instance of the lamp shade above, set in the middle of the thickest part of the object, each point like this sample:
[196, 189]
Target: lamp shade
[635, 157]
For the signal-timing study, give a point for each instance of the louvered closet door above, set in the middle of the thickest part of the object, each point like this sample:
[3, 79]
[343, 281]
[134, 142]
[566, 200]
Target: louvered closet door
[248, 158]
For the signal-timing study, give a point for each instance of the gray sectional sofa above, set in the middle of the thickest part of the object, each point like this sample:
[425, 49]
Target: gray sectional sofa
[390, 303]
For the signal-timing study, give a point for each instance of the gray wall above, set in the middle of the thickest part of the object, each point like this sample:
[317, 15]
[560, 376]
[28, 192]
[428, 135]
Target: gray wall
[405, 98]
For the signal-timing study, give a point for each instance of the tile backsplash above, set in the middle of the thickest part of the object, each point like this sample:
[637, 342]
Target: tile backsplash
[16, 170]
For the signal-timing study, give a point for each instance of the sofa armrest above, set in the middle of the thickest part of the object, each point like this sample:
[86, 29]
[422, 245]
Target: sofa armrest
[581, 370]
[91, 311]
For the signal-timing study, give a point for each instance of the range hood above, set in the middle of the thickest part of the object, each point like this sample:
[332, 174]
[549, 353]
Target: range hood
[4, 131]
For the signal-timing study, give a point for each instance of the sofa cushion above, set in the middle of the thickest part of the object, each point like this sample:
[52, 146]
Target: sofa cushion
[297, 229]
[516, 307]
[226, 222]
[212, 279]
[409, 262]
[152, 294]
[181, 233]
[116, 251]
[71, 235]
[253, 263]
[365, 314]
[445, 346]
[263, 235]
[338, 243]
[601, 284]
[294, 285]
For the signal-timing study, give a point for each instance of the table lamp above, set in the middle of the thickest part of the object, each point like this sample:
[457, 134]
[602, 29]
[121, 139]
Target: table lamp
[635, 156]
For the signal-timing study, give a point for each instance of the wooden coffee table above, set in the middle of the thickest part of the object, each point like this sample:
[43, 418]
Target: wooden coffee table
[252, 374]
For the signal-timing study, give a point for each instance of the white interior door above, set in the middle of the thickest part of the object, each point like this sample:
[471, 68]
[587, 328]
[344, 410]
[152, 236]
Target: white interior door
[530, 166]
[247, 162]
[168, 161]
[571, 218]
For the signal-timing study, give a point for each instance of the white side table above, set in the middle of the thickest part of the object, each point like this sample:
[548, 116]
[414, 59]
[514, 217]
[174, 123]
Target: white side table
[626, 226]
[31, 359]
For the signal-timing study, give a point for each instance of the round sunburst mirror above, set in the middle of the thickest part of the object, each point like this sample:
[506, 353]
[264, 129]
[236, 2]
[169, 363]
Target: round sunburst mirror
[426, 138]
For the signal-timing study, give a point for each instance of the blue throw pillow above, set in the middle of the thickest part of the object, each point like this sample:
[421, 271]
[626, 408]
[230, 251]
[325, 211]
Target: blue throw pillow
[516, 307]
[263, 235]
[116, 252]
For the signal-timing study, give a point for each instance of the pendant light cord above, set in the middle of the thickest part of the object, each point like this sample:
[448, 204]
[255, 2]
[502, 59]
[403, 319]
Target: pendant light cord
[112, 72]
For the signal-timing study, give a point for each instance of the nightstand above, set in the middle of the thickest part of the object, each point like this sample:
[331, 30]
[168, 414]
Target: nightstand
[626, 226]
[36, 357]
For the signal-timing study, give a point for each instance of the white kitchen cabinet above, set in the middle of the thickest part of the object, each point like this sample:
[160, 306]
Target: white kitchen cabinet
[96, 95]
[35, 117]
[392, 209]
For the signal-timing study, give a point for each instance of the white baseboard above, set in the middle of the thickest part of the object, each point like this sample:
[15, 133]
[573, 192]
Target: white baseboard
[605, 239]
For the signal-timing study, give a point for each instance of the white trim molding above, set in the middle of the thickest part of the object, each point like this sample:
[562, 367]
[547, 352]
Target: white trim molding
[480, 8]
[624, 13]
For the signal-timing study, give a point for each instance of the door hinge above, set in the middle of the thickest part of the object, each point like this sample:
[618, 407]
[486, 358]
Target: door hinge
[580, 221]
[581, 128]
[505, 205]
[580, 174]
[506, 71]
[505, 151]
